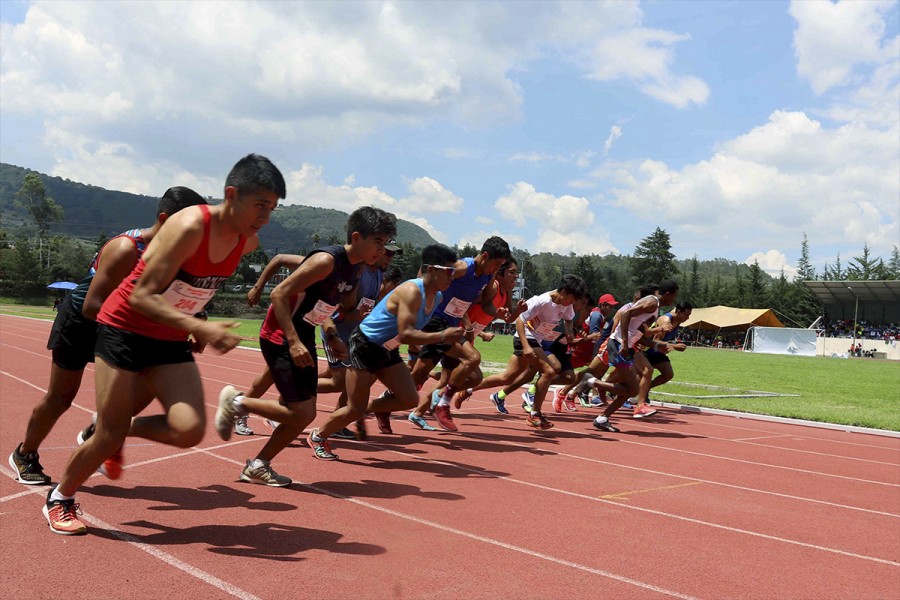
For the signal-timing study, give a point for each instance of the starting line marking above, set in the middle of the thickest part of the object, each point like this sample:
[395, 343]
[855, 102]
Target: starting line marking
[622, 495]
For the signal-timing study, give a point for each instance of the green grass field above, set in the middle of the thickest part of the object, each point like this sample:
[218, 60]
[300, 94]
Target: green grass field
[861, 392]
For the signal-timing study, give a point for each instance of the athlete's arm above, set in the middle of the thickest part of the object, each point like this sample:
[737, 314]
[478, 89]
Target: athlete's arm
[291, 261]
[408, 301]
[316, 268]
[115, 261]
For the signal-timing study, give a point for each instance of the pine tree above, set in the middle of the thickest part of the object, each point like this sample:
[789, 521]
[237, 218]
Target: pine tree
[805, 270]
[693, 286]
[756, 293]
[893, 266]
[865, 267]
[653, 260]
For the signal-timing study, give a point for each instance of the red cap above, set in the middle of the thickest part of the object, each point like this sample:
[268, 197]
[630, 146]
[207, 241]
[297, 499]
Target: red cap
[607, 299]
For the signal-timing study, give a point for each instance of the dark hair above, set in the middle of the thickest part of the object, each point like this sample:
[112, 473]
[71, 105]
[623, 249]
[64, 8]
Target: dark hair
[572, 284]
[505, 266]
[369, 220]
[667, 286]
[393, 274]
[254, 172]
[648, 289]
[438, 254]
[496, 247]
[684, 306]
[590, 299]
[176, 198]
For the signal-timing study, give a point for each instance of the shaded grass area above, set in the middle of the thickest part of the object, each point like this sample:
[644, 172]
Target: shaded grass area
[861, 392]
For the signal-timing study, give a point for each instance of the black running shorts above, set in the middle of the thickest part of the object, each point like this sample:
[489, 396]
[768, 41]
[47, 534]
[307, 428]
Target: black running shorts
[135, 352]
[295, 384]
[72, 337]
[365, 355]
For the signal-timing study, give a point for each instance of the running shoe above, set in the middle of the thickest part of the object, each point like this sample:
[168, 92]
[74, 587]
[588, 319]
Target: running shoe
[420, 422]
[629, 403]
[27, 468]
[264, 475]
[644, 411]
[558, 400]
[271, 424]
[538, 421]
[62, 516]
[599, 400]
[569, 404]
[444, 418]
[384, 423]
[226, 414]
[584, 399]
[112, 466]
[499, 404]
[85, 434]
[321, 449]
[528, 397]
[435, 398]
[602, 423]
[241, 427]
[460, 397]
[344, 434]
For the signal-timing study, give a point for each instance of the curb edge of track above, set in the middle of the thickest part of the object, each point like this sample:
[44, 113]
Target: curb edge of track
[774, 419]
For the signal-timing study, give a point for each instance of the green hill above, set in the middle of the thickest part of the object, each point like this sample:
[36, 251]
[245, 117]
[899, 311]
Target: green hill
[90, 211]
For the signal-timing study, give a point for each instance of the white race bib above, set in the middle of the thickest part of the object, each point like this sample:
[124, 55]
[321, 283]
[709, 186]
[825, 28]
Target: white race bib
[457, 308]
[478, 327]
[187, 298]
[321, 311]
[545, 329]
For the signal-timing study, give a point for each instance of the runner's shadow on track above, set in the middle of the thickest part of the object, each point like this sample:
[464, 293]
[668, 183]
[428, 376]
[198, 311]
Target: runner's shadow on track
[369, 488]
[176, 498]
[662, 434]
[271, 541]
[443, 469]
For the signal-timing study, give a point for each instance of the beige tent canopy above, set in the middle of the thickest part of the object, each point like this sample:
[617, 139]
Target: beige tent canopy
[722, 317]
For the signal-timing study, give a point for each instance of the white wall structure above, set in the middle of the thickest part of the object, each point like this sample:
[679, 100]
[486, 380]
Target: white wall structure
[781, 340]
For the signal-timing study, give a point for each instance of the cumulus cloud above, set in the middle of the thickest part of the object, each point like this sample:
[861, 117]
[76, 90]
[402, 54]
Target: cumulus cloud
[773, 262]
[284, 77]
[833, 38]
[307, 186]
[615, 132]
[565, 223]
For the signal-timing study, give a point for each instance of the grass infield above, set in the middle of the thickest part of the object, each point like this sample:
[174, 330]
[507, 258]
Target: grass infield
[861, 392]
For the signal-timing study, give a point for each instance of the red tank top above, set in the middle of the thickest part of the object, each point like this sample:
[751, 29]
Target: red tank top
[194, 285]
[477, 314]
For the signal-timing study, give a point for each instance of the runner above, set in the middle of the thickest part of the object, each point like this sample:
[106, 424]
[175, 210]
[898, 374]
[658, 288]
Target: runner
[669, 324]
[305, 300]
[145, 324]
[397, 319]
[471, 281]
[74, 333]
[536, 324]
[599, 327]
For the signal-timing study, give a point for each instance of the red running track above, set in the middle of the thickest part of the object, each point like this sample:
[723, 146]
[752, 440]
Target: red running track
[682, 505]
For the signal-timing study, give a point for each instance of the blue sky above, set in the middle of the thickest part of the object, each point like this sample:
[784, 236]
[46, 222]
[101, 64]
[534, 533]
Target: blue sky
[570, 127]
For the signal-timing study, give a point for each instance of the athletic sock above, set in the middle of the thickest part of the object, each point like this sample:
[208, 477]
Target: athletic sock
[238, 405]
[501, 394]
[316, 437]
[56, 496]
[532, 389]
[258, 463]
[591, 380]
[446, 396]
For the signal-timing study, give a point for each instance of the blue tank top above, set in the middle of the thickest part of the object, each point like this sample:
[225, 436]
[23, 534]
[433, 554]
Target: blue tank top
[668, 337]
[367, 292]
[80, 292]
[461, 293]
[380, 325]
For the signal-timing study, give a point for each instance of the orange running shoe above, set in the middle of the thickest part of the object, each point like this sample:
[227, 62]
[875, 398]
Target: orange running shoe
[62, 516]
[112, 466]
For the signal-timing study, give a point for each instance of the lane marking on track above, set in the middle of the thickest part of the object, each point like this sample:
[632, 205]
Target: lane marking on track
[645, 510]
[577, 457]
[769, 437]
[623, 495]
[480, 538]
[153, 551]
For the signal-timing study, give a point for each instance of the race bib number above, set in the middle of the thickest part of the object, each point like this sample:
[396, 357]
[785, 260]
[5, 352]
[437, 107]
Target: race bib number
[544, 330]
[365, 304]
[186, 298]
[321, 311]
[392, 344]
[457, 308]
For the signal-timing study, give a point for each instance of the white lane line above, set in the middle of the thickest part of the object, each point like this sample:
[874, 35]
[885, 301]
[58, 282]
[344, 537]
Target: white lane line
[480, 538]
[153, 551]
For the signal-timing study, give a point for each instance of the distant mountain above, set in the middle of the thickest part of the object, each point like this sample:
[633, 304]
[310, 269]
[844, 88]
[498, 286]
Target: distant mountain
[90, 211]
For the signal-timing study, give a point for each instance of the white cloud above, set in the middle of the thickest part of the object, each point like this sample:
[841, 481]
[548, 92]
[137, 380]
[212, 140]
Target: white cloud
[176, 83]
[484, 220]
[773, 262]
[565, 223]
[307, 186]
[615, 132]
[832, 39]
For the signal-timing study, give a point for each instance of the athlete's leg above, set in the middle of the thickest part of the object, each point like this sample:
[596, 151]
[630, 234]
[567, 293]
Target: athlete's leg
[181, 394]
[61, 391]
